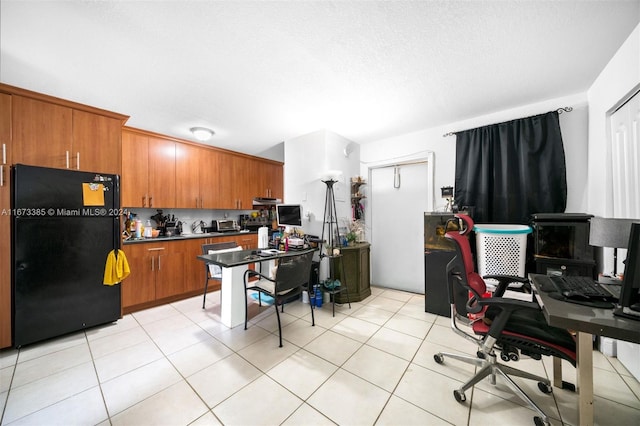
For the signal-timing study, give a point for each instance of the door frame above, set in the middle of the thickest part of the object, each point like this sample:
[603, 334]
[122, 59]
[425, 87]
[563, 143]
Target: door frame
[427, 157]
[421, 157]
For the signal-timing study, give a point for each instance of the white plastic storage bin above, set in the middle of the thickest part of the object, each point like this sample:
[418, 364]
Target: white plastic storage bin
[502, 249]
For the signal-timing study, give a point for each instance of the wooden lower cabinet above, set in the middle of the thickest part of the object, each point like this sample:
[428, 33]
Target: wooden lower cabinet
[157, 272]
[165, 271]
[354, 272]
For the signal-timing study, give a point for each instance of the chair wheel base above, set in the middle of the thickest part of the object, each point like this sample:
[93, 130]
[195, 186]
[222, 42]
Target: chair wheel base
[539, 421]
[459, 396]
[438, 358]
[545, 388]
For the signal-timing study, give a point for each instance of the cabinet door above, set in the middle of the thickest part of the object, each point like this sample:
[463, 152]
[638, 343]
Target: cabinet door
[275, 176]
[96, 143]
[170, 270]
[5, 220]
[268, 179]
[134, 180]
[247, 242]
[188, 176]
[139, 287]
[42, 133]
[209, 176]
[194, 269]
[245, 178]
[162, 173]
[227, 183]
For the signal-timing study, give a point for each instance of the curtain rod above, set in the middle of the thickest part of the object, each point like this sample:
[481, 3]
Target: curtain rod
[559, 110]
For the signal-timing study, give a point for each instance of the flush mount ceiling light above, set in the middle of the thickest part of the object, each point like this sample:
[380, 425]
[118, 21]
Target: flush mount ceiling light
[202, 133]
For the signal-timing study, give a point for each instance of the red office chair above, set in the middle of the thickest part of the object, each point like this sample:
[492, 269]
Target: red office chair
[506, 325]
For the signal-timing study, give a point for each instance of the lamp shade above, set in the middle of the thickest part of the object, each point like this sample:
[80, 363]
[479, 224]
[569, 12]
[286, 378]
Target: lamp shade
[201, 133]
[610, 232]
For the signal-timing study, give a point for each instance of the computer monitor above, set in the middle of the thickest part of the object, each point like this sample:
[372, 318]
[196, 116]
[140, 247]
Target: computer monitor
[630, 291]
[289, 215]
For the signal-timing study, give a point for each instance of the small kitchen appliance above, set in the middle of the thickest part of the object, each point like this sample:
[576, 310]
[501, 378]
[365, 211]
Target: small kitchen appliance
[225, 225]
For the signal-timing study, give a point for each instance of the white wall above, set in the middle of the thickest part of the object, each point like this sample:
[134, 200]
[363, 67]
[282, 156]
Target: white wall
[574, 134]
[307, 158]
[616, 83]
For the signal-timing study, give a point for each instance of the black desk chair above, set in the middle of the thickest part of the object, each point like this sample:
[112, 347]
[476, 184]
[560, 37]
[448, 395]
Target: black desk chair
[214, 272]
[502, 324]
[292, 275]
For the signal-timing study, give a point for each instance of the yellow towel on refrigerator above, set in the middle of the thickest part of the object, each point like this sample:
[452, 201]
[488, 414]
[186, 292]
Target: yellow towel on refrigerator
[116, 269]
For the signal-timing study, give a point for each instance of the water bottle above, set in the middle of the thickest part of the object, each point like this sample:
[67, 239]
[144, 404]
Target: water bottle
[319, 296]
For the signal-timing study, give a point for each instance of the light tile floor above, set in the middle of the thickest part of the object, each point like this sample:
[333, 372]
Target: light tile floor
[371, 364]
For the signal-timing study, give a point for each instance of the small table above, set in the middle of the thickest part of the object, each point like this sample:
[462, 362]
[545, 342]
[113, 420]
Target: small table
[234, 264]
[586, 322]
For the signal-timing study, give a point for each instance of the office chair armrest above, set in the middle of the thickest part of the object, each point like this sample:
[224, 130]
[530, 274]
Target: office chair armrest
[507, 307]
[505, 280]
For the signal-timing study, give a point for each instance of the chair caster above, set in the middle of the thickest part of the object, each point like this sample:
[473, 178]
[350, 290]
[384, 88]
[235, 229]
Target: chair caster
[545, 388]
[438, 358]
[459, 396]
[539, 421]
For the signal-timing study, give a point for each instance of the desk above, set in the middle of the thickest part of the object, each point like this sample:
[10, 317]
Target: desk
[586, 322]
[234, 264]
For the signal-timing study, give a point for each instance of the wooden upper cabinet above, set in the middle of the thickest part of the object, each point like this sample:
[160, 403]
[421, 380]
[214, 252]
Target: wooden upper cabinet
[96, 143]
[5, 220]
[148, 171]
[134, 182]
[188, 193]
[270, 181]
[209, 161]
[162, 173]
[42, 133]
[52, 135]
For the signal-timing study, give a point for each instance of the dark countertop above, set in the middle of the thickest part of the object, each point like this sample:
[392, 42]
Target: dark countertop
[188, 236]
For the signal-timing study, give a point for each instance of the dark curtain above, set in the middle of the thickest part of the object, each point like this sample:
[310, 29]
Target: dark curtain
[508, 171]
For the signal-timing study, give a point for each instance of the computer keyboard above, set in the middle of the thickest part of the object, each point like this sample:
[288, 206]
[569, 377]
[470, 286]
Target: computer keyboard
[573, 287]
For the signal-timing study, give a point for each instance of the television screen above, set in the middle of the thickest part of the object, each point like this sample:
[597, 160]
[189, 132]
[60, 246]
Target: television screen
[289, 215]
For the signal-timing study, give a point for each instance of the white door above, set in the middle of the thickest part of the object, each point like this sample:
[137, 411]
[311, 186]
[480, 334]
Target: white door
[398, 199]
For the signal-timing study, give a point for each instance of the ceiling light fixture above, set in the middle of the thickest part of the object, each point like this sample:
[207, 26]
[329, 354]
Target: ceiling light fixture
[202, 133]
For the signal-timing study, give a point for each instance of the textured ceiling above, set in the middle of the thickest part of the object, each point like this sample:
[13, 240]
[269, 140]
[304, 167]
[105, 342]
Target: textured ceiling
[259, 73]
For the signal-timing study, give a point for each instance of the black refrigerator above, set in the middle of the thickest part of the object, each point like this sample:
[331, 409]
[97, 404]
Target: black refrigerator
[64, 224]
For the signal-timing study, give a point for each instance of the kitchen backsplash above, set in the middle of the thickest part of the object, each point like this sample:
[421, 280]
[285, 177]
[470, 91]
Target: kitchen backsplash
[189, 216]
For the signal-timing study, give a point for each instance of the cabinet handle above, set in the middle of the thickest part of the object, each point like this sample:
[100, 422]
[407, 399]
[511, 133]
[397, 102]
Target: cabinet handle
[153, 263]
[1, 175]
[159, 264]
[67, 159]
[155, 249]
[78, 160]
[150, 201]
[4, 153]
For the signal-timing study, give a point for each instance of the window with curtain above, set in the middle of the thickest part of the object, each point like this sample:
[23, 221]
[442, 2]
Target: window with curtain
[511, 170]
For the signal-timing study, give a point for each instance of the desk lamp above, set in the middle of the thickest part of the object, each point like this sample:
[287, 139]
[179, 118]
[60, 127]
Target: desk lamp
[611, 233]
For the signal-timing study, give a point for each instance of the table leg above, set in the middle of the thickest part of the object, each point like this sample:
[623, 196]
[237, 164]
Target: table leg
[557, 372]
[232, 305]
[585, 378]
